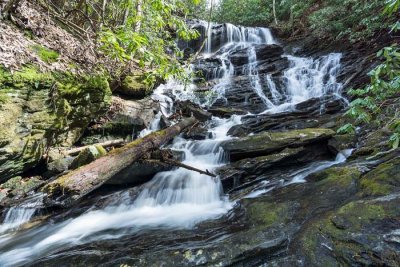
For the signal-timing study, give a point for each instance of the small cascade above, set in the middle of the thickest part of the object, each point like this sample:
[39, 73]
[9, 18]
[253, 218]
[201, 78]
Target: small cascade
[308, 78]
[239, 34]
[20, 214]
[251, 71]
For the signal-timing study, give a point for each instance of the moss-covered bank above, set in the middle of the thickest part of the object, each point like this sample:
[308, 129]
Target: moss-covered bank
[42, 109]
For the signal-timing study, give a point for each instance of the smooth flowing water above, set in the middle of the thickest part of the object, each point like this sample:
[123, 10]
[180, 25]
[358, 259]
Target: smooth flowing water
[179, 198]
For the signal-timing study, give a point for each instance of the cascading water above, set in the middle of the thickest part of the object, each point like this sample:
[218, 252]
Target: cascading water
[181, 198]
[308, 78]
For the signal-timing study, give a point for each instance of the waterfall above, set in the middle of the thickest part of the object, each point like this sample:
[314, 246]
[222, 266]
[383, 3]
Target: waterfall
[181, 198]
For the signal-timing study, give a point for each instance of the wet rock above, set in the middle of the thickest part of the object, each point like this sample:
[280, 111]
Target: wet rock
[87, 156]
[226, 112]
[17, 187]
[270, 142]
[307, 115]
[357, 233]
[383, 180]
[248, 171]
[340, 142]
[217, 40]
[196, 133]
[190, 109]
[209, 68]
[240, 95]
[264, 52]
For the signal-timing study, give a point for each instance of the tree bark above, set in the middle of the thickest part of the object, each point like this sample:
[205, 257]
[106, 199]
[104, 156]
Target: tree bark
[68, 189]
[274, 11]
[139, 14]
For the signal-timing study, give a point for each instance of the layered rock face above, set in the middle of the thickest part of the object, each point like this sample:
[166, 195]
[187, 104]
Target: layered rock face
[40, 110]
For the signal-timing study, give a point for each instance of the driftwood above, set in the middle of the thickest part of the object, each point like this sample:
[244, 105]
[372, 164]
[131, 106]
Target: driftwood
[68, 189]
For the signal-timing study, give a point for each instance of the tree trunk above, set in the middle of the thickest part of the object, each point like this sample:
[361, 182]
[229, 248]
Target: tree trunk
[68, 189]
[274, 11]
[139, 14]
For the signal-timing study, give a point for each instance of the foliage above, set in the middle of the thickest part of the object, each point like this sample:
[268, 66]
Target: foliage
[384, 86]
[335, 19]
[139, 33]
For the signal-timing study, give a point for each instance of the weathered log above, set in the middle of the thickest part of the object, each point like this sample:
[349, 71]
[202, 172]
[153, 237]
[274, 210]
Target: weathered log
[69, 188]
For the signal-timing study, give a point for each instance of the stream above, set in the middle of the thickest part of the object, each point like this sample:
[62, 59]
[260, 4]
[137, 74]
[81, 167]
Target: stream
[179, 209]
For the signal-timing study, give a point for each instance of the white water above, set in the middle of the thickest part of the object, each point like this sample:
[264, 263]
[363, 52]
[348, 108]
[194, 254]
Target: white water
[181, 198]
[309, 78]
[20, 214]
[299, 176]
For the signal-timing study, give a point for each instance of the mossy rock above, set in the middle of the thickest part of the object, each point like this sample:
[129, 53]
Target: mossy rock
[356, 234]
[383, 180]
[134, 86]
[40, 109]
[269, 142]
[18, 186]
[87, 156]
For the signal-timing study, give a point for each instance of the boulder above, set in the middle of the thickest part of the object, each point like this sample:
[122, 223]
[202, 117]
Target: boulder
[59, 165]
[190, 109]
[196, 133]
[87, 156]
[125, 121]
[269, 142]
[133, 86]
[138, 173]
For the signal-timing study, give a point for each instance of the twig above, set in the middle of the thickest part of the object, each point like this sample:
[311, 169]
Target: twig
[181, 165]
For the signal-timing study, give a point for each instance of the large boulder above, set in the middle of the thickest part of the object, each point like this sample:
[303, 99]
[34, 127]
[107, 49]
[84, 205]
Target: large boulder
[38, 110]
[134, 86]
[269, 142]
[125, 120]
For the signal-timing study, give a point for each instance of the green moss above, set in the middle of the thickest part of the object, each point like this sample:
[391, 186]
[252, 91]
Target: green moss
[134, 86]
[336, 227]
[45, 54]
[31, 77]
[101, 150]
[342, 176]
[267, 214]
[384, 180]
[4, 98]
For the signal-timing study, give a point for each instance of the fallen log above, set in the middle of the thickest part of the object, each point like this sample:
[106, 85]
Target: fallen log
[68, 189]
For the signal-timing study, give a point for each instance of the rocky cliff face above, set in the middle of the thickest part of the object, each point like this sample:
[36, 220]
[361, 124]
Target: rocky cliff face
[40, 110]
